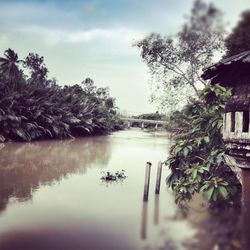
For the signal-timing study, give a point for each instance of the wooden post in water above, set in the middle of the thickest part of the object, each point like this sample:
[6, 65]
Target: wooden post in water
[147, 179]
[158, 178]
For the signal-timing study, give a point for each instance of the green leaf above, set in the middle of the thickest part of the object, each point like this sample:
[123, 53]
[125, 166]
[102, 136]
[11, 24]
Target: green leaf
[209, 193]
[204, 187]
[194, 173]
[177, 149]
[185, 151]
[223, 191]
[206, 139]
[198, 141]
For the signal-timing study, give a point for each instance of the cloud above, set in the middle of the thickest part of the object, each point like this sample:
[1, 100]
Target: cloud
[54, 36]
[97, 33]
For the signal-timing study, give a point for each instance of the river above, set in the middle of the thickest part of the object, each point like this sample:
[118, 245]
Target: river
[52, 197]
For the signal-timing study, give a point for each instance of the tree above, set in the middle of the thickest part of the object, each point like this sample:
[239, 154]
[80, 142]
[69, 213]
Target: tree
[239, 40]
[196, 159]
[178, 59]
[35, 64]
[89, 86]
[9, 65]
[39, 108]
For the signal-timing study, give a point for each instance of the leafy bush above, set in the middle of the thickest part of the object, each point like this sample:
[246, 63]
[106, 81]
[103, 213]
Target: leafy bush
[197, 159]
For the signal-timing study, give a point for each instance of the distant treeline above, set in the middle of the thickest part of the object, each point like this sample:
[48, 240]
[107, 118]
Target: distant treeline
[34, 107]
[151, 116]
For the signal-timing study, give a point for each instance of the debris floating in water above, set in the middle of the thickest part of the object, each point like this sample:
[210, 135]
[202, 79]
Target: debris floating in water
[108, 176]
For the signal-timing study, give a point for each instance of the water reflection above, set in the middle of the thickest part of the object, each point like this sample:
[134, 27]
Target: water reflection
[72, 238]
[217, 228]
[144, 220]
[156, 209]
[78, 212]
[223, 229]
[26, 166]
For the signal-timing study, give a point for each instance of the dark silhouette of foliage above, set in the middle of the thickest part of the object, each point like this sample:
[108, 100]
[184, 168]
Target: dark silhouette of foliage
[36, 108]
[10, 74]
[35, 64]
[239, 40]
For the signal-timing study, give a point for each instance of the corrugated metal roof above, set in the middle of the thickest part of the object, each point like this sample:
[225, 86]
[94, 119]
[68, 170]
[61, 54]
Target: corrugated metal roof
[221, 72]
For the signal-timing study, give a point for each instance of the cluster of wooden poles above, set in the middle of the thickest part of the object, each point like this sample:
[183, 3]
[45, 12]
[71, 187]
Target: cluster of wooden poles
[147, 180]
[145, 198]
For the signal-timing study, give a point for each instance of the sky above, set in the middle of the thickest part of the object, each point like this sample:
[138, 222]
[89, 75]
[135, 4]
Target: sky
[93, 38]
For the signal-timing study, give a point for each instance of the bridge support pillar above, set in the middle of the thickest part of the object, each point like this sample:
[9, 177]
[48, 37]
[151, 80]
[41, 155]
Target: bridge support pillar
[128, 124]
[156, 126]
[142, 125]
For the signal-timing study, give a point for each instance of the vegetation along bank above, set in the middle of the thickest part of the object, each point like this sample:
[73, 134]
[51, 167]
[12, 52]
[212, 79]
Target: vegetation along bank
[33, 107]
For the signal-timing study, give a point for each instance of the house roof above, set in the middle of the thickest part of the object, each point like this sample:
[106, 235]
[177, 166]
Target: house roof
[230, 70]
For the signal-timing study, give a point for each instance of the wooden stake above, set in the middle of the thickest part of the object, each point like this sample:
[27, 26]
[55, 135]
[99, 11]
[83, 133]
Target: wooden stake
[147, 179]
[158, 178]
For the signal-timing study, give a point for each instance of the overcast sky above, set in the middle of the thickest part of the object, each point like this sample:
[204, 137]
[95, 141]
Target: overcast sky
[93, 38]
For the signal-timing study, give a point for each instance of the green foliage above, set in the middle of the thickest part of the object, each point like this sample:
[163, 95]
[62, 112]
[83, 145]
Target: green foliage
[239, 40]
[197, 159]
[34, 108]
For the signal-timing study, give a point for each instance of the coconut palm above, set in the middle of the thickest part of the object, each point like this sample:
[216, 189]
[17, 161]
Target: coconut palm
[31, 110]
[9, 68]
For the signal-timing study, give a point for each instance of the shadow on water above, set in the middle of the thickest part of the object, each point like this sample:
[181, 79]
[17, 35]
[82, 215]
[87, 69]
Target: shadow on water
[169, 244]
[26, 166]
[215, 229]
[218, 229]
[156, 209]
[144, 220]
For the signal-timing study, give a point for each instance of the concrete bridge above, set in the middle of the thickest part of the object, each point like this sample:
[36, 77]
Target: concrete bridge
[143, 122]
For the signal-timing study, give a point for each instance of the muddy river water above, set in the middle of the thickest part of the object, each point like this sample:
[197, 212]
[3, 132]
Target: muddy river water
[52, 197]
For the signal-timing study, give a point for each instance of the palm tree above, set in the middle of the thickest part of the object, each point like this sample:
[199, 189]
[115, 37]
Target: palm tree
[8, 66]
